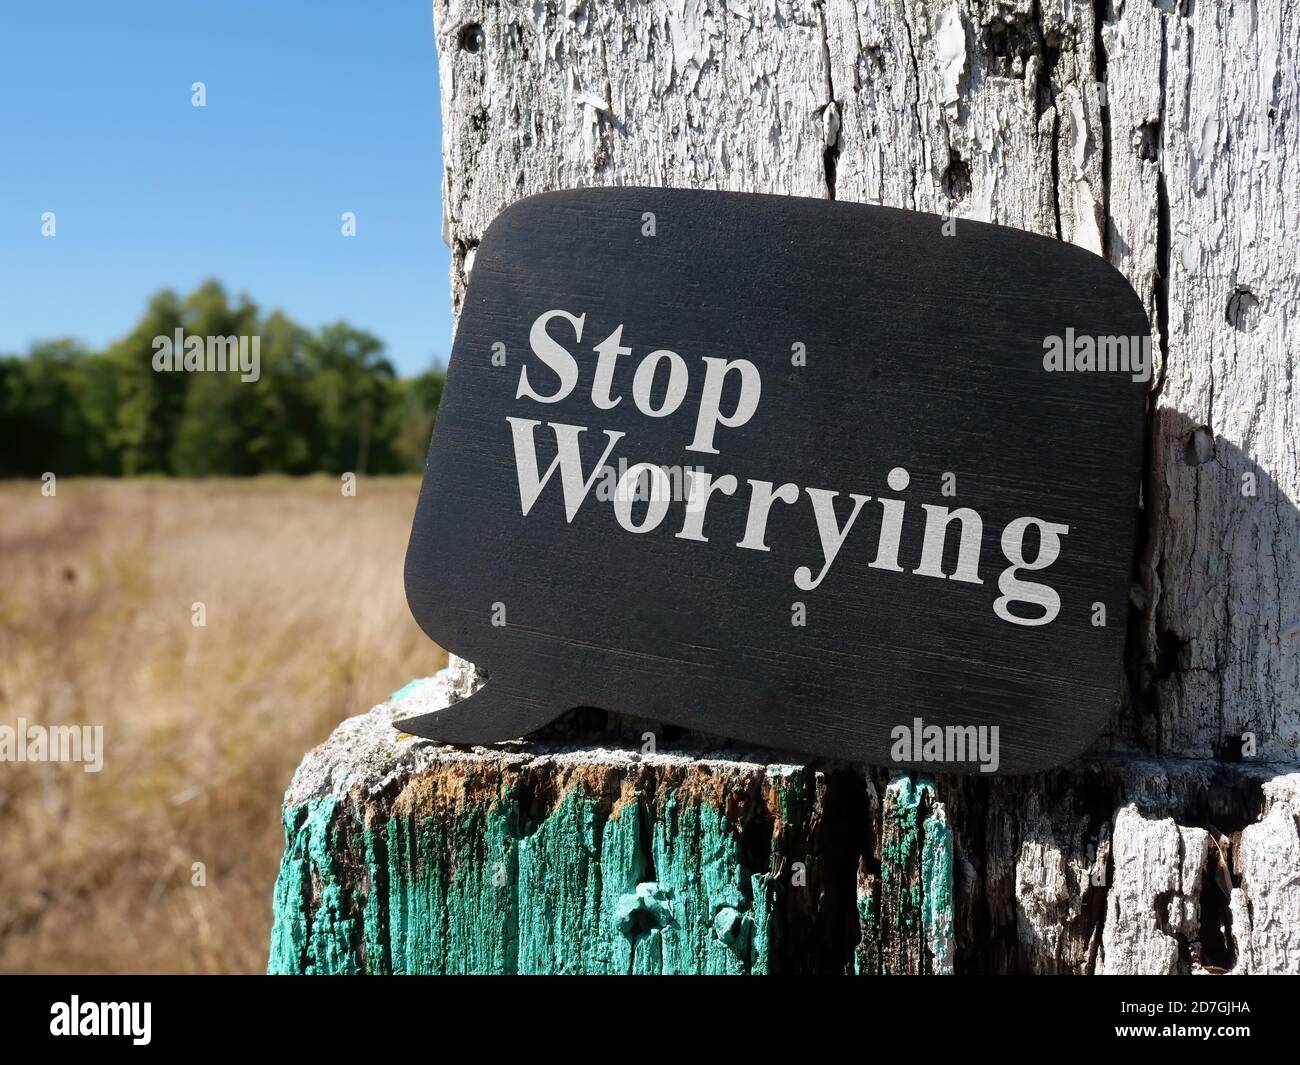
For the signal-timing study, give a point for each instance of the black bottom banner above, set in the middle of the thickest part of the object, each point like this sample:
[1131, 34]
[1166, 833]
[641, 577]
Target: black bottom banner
[215, 1013]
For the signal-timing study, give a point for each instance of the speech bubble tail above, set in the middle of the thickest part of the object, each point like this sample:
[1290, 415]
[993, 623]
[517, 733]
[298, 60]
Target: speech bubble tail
[490, 715]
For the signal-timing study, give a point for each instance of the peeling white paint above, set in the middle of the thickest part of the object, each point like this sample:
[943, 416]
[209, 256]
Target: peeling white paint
[950, 49]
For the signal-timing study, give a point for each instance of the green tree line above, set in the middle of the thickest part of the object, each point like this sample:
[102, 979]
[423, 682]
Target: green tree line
[326, 401]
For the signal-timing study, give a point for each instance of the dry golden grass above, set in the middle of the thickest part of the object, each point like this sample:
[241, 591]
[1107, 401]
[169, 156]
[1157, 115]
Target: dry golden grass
[306, 624]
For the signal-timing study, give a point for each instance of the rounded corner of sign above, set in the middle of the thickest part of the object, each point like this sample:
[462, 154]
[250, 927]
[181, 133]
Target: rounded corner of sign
[411, 585]
[504, 219]
[522, 207]
[1071, 752]
[1108, 273]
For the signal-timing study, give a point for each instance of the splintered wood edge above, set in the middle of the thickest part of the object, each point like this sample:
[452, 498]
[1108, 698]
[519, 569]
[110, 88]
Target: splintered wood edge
[369, 755]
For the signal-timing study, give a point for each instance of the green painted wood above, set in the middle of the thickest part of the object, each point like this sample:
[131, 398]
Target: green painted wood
[905, 907]
[581, 892]
[558, 859]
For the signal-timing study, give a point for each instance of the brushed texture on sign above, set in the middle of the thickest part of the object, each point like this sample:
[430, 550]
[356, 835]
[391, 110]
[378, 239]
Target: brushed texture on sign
[922, 352]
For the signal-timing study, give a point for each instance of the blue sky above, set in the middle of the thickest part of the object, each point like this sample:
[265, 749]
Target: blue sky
[313, 109]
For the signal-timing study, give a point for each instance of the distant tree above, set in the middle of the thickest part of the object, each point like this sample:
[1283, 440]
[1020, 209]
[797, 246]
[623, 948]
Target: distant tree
[327, 400]
[44, 424]
[149, 405]
[414, 417]
[218, 422]
[350, 381]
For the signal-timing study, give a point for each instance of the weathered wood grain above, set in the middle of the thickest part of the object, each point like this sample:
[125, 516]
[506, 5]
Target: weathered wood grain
[581, 851]
[1159, 133]
[546, 857]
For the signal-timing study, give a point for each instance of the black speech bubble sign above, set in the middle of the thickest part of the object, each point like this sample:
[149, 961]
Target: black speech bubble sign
[883, 340]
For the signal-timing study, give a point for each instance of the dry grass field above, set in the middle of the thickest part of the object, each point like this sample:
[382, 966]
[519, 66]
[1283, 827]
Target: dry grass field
[306, 623]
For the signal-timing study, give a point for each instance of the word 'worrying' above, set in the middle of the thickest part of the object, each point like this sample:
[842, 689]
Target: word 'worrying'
[736, 384]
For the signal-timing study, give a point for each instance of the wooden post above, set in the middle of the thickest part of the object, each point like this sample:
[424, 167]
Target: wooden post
[1160, 135]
